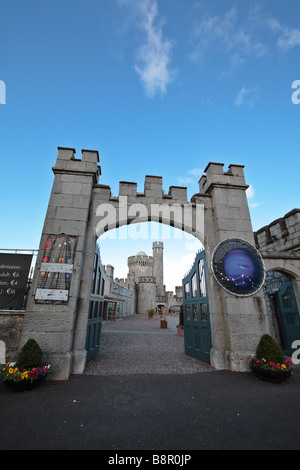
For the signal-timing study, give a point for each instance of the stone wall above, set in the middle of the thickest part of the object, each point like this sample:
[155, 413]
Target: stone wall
[146, 294]
[11, 323]
[279, 244]
[282, 234]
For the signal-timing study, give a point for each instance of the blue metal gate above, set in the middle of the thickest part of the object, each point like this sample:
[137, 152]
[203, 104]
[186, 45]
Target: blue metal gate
[197, 334]
[96, 309]
[289, 316]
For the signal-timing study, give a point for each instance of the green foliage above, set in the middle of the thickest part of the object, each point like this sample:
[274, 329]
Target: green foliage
[151, 312]
[30, 355]
[269, 350]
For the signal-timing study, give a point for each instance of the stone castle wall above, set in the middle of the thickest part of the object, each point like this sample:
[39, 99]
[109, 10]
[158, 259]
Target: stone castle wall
[282, 234]
[146, 294]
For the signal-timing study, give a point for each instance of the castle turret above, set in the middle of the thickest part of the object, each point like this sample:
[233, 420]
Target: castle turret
[147, 294]
[140, 265]
[158, 270]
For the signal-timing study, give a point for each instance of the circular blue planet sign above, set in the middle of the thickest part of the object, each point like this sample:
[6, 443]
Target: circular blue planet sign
[238, 267]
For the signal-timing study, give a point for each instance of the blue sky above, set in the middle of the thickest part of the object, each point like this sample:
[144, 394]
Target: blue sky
[159, 87]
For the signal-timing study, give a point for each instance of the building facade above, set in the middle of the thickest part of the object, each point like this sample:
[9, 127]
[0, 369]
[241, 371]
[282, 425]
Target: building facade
[279, 244]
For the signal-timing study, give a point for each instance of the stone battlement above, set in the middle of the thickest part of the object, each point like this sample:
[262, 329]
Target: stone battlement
[216, 177]
[146, 279]
[66, 163]
[282, 234]
[152, 190]
[140, 260]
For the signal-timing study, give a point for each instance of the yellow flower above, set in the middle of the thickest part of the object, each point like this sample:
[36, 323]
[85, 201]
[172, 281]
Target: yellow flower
[24, 375]
[10, 370]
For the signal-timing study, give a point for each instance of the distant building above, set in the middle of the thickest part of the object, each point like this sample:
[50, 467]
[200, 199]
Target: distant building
[143, 288]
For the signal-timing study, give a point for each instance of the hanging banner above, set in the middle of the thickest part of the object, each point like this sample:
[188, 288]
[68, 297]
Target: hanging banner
[14, 274]
[56, 269]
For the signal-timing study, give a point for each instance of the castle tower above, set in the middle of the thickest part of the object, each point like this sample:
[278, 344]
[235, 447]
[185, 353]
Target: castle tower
[140, 265]
[146, 294]
[158, 266]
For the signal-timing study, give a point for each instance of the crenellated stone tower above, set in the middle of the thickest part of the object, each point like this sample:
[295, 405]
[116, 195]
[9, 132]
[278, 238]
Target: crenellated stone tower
[158, 266]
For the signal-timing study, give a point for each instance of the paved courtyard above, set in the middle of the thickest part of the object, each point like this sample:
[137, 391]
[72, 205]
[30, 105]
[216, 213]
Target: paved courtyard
[143, 394]
[137, 345]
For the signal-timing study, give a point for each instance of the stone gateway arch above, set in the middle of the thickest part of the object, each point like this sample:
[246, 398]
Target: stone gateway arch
[81, 209]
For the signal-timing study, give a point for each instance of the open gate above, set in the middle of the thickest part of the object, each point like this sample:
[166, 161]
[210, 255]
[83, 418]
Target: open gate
[197, 334]
[280, 296]
[96, 308]
[289, 316]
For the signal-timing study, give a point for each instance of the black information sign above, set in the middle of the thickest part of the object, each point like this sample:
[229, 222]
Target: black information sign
[238, 267]
[14, 272]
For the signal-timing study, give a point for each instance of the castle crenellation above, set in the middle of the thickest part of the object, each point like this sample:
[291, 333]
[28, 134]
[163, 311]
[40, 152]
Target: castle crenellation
[282, 234]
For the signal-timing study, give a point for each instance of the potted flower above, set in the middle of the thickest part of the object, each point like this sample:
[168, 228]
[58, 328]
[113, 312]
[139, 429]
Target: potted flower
[180, 326]
[269, 363]
[28, 372]
[163, 321]
[150, 312]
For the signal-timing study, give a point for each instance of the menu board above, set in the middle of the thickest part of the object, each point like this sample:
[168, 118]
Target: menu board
[56, 269]
[14, 273]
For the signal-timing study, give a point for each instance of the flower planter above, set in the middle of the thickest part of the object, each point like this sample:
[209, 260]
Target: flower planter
[163, 324]
[25, 385]
[180, 330]
[268, 375]
[21, 380]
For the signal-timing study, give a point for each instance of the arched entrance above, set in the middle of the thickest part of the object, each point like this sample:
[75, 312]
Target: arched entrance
[81, 207]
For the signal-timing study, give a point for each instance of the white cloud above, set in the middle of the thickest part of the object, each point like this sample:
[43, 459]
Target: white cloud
[254, 204]
[193, 179]
[250, 192]
[250, 195]
[154, 55]
[175, 270]
[225, 33]
[248, 97]
[289, 38]
[186, 180]
[240, 39]
[197, 172]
